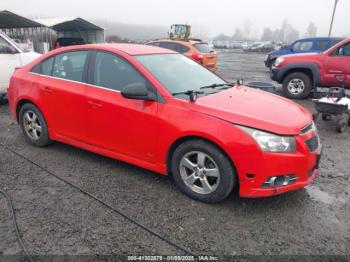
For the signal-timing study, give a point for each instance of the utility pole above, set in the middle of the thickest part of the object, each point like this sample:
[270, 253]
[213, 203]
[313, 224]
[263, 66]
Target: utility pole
[331, 26]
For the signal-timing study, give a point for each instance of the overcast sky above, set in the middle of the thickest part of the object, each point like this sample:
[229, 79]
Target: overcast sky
[209, 16]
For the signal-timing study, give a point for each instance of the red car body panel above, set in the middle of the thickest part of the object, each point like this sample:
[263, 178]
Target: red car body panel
[143, 132]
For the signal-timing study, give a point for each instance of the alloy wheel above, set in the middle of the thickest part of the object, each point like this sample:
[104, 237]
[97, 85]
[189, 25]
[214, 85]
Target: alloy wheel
[199, 172]
[32, 125]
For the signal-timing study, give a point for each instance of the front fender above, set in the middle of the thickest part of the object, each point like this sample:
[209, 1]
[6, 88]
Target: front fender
[313, 67]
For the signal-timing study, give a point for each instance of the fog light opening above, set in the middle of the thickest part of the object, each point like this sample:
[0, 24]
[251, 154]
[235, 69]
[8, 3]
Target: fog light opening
[250, 176]
[278, 181]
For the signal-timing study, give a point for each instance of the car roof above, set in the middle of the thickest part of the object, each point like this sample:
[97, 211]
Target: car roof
[321, 38]
[183, 42]
[130, 49]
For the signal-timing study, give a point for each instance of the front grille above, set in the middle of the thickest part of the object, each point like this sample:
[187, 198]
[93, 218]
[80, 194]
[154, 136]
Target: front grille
[312, 143]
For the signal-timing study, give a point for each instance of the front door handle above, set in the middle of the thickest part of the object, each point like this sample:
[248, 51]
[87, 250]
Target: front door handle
[94, 104]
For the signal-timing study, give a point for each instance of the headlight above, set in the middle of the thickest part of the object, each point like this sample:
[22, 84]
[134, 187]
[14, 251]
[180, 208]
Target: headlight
[269, 142]
[279, 61]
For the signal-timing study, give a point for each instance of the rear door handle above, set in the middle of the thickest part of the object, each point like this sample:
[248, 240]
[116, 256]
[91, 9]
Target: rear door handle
[47, 90]
[94, 104]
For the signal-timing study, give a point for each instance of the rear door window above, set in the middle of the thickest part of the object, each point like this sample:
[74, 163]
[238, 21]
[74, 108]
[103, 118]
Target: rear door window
[45, 67]
[321, 45]
[70, 65]
[203, 47]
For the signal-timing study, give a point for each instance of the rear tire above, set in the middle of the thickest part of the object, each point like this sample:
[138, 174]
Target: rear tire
[34, 126]
[202, 171]
[297, 86]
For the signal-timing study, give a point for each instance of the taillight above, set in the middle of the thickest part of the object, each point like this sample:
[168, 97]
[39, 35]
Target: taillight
[198, 57]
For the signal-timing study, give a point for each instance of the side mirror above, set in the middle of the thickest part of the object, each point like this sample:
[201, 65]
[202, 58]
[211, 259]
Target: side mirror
[10, 50]
[137, 91]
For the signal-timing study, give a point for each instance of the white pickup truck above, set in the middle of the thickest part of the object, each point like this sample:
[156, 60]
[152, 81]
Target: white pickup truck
[11, 56]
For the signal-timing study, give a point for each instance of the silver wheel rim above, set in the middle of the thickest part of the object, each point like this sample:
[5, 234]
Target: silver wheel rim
[32, 125]
[199, 172]
[296, 86]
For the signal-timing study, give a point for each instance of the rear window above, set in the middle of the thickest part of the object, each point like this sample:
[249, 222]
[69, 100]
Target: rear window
[203, 48]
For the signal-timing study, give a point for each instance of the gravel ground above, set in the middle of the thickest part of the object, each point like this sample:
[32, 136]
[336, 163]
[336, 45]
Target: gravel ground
[58, 220]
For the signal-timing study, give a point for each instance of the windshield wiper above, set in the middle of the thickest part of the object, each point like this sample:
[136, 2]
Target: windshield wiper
[229, 85]
[191, 93]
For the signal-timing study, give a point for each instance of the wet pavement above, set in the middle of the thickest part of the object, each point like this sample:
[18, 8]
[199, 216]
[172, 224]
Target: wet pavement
[56, 219]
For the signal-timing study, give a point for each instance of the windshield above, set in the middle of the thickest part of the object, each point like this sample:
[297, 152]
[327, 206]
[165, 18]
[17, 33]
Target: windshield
[10, 41]
[178, 73]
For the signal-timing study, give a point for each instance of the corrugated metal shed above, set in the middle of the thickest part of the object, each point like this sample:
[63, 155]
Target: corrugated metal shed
[75, 27]
[9, 20]
[68, 24]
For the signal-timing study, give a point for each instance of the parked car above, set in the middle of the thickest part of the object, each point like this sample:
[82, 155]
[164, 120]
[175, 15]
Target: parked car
[300, 74]
[306, 45]
[259, 47]
[68, 41]
[197, 50]
[162, 111]
[11, 57]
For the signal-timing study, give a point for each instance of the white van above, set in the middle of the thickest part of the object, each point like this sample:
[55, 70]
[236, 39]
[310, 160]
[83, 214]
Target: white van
[11, 56]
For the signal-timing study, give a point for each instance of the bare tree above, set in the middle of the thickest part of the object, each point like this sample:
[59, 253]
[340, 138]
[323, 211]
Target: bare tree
[291, 35]
[247, 29]
[267, 35]
[311, 30]
[238, 35]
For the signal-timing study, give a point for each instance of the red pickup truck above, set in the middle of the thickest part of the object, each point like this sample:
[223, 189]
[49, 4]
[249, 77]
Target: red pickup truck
[299, 74]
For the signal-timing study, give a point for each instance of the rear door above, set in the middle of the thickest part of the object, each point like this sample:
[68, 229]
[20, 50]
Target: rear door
[62, 89]
[338, 63]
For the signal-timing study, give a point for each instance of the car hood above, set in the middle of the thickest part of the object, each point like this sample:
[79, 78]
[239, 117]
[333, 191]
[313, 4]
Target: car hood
[255, 108]
[28, 57]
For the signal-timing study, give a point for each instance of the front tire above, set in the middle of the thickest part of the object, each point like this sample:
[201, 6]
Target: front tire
[202, 171]
[297, 86]
[34, 126]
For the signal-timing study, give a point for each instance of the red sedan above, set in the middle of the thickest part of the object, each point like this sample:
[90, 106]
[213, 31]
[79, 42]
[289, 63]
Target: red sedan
[159, 110]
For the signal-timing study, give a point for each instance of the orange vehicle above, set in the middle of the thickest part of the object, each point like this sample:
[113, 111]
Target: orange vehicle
[195, 49]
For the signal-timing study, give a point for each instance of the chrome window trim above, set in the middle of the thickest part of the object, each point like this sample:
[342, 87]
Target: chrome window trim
[77, 82]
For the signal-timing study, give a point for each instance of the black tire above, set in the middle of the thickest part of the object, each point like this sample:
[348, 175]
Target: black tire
[227, 174]
[341, 125]
[297, 76]
[326, 117]
[43, 138]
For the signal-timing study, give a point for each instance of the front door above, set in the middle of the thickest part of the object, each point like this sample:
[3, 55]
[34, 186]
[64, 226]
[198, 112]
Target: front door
[338, 63]
[125, 126]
